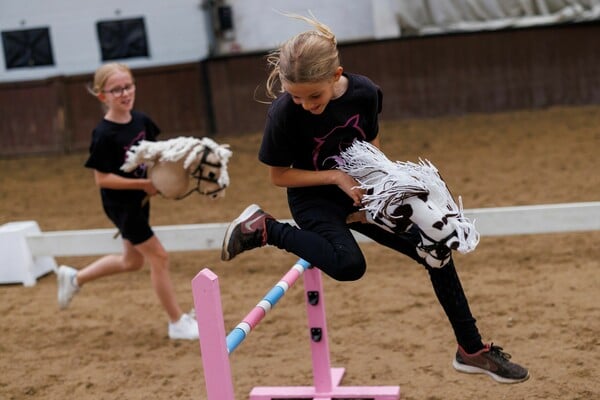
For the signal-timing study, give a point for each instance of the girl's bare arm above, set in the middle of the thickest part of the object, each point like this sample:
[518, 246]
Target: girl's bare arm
[292, 177]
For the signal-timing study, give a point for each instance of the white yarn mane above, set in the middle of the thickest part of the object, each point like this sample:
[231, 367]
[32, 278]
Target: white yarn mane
[390, 183]
[172, 150]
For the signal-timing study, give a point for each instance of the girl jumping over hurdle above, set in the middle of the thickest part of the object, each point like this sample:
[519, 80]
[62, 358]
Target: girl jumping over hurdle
[122, 196]
[318, 112]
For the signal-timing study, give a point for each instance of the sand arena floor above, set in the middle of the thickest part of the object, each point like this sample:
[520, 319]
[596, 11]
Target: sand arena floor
[535, 295]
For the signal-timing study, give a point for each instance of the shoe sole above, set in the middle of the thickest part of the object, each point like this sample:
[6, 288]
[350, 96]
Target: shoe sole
[251, 209]
[476, 370]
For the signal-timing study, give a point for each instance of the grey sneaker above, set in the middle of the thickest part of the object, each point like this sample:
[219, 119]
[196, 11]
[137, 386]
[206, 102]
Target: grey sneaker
[186, 328]
[490, 360]
[67, 287]
[246, 232]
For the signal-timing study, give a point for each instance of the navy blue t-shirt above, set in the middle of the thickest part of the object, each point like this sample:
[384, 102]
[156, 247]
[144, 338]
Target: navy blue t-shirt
[293, 137]
[110, 143]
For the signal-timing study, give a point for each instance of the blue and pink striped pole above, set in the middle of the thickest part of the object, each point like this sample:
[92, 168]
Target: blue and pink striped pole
[250, 321]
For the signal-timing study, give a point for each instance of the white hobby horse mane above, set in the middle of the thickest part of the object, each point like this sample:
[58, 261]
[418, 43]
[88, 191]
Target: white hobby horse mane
[181, 156]
[399, 195]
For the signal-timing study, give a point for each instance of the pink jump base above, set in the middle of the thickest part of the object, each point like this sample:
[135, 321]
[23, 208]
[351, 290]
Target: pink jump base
[337, 392]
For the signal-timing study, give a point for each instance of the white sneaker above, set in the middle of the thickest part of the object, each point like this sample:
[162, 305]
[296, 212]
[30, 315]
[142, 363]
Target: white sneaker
[185, 328]
[65, 277]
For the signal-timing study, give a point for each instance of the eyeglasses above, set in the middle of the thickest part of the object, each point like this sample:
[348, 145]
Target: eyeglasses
[118, 91]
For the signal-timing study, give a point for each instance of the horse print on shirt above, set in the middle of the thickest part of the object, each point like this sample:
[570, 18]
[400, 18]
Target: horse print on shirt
[140, 170]
[326, 153]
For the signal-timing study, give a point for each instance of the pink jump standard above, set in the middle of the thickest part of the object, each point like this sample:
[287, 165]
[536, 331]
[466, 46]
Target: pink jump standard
[215, 347]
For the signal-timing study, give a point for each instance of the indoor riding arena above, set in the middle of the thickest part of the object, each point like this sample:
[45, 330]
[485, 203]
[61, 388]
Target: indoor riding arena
[533, 294]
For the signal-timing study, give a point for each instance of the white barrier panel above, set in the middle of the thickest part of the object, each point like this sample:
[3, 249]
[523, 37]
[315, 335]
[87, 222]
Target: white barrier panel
[555, 218]
[570, 217]
[40, 246]
[522, 220]
[104, 241]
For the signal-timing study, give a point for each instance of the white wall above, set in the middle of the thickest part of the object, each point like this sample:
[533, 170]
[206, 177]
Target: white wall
[177, 30]
[259, 23]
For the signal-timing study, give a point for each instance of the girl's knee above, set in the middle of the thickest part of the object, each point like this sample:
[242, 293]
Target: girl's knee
[133, 261]
[351, 270]
[355, 273]
[130, 265]
[159, 260]
[162, 257]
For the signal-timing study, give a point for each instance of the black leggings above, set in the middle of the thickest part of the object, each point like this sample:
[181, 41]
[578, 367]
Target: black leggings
[326, 241]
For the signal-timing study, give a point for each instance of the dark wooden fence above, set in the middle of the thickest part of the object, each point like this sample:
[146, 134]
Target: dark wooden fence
[420, 77]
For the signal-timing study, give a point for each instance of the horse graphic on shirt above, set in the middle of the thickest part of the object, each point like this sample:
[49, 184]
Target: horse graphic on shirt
[326, 153]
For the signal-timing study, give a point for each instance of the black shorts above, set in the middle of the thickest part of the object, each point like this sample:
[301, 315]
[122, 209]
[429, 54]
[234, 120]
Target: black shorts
[133, 222]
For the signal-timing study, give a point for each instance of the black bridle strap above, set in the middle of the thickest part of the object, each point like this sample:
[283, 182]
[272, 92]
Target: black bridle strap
[199, 176]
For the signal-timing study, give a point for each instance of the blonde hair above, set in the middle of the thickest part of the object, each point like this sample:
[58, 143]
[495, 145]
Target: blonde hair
[310, 56]
[103, 73]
